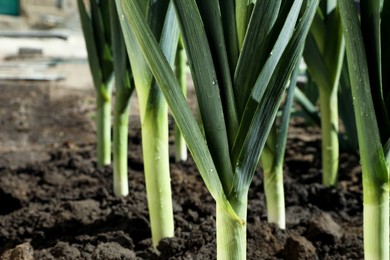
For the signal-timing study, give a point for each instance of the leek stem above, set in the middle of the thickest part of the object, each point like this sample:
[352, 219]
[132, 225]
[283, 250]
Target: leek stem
[274, 190]
[375, 220]
[121, 129]
[156, 162]
[180, 69]
[181, 153]
[231, 234]
[242, 19]
[103, 125]
[329, 133]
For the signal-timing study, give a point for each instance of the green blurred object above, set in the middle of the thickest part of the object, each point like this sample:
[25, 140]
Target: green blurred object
[9, 7]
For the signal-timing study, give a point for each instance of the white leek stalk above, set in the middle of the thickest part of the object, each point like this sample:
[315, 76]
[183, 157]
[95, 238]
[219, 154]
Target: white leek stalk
[180, 71]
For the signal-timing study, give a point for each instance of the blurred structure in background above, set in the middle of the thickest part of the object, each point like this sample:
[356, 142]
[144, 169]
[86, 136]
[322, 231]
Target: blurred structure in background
[9, 7]
[37, 14]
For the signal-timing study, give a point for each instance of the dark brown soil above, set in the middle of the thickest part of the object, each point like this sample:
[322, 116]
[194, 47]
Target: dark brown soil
[63, 206]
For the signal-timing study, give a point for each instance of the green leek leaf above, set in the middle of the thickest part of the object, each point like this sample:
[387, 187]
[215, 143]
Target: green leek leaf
[102, 36]
[262, 82]
[267, 106]
[315, 62]
[86, 24]
[229, 21]
[207, 87]
[371, 29]
[121, 61]
[255, 45]
[211, 17]
[243, 13]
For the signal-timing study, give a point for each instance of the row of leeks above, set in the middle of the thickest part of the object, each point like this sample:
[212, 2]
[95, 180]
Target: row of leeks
[238, 101]
[364, 74]
[154, 115]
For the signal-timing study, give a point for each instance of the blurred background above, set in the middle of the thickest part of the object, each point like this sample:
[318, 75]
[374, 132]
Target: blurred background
[46, 91]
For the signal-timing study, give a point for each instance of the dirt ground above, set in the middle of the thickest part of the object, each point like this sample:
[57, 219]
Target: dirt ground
[54, 197]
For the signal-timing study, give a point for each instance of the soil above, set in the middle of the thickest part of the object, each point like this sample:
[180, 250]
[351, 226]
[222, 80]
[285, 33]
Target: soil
[54, 197]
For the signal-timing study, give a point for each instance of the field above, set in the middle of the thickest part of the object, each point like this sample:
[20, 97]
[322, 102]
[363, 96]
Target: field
[53, 195]
[55, 203]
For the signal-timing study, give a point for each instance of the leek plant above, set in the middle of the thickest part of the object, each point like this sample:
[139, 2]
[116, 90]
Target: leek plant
[97, 34]
[160, 17]
[238, 99]
[123, 90]
[180, 70]
[368, 53]
[324, 54]
[272, 160]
